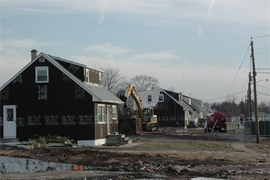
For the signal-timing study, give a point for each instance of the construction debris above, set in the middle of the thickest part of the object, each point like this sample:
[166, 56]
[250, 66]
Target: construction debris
[50, 141]
[186, 154]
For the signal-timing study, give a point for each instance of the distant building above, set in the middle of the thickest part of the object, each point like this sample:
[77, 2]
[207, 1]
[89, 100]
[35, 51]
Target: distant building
[202, 109]
[169, 107]
[262, 116]
[174, 109]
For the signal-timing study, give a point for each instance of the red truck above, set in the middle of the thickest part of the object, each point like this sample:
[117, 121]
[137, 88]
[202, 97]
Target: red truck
[217, 122]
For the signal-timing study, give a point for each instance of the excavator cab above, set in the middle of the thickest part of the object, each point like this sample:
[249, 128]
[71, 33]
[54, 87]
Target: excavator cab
[146, 115]
[149, 120]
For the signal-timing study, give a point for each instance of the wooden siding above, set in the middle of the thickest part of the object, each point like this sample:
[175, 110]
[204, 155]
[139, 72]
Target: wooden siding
[77, 71]
[67, 111]
[169, 113]
[93, 76]
[101, 129]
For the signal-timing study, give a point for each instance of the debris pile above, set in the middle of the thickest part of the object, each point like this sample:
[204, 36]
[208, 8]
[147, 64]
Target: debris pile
[50, 141]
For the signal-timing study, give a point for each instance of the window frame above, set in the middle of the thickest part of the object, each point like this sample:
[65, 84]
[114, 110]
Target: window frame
[161, 98]
[41, 68]
[103, 114]
[87, 75]
[114, 112]
[149, 98]
[42, 92]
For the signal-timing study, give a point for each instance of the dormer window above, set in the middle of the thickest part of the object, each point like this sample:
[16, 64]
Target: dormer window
[42, 74]
[161, 98]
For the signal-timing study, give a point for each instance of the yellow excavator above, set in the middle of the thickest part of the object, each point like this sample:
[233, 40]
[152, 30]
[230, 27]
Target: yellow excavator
[146, 114]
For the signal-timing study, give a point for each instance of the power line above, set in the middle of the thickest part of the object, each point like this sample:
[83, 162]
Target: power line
[265, 52]
[244, 85]
[260, 36]
[263, 72]
[263, 87]
[226, 96]
[238, 70]
[263, 94]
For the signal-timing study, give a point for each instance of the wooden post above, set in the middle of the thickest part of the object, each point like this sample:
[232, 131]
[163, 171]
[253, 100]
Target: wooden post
[255, 95]
[249, 97]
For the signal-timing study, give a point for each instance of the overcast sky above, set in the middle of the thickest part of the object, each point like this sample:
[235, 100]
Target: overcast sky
[200, 48]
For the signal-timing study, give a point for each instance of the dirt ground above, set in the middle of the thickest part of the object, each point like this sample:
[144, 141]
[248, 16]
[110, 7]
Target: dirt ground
[167, 154]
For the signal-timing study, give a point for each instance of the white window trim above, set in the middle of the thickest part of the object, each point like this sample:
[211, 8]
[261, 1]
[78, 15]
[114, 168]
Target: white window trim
[104, 115]
[100, 76]
[42, 68]
[160, 99]
[87, 75]
[114, 111]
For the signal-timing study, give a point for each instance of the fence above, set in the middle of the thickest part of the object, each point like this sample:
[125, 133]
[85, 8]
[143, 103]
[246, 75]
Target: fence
[264, 127]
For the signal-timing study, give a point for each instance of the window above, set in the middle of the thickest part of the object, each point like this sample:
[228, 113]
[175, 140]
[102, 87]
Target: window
[100, 82]
[100, 76]
[149, 98]
[101, 113]
[4, 94]
[42, 74]
[79, 92]
[10, 114]
[161, 98]
[42, 92]
[18, 79]
[114, 112]
[87, 79]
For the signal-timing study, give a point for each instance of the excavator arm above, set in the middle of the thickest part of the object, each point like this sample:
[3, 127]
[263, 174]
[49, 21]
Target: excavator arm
[149, 120]
[131, 91]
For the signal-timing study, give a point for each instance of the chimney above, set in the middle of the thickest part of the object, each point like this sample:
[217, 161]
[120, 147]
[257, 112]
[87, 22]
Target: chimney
[33, 54]
[189, 100]
[180, 97]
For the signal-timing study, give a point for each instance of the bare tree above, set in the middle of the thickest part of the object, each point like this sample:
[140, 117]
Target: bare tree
[112, 79]
[264, 107]
[144, 82]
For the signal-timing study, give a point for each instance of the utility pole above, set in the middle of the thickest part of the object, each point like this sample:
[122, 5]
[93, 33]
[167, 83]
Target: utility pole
[255, 95]
[249, 96]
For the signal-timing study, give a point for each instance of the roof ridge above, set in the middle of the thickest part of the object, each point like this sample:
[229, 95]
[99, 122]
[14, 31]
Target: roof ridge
[65, 60]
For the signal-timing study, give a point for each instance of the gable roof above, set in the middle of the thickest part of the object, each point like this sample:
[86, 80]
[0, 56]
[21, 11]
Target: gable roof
[102, 94]
[65, 60]
[98, 93]
[72, 62]
[180, 103]
[197, 104]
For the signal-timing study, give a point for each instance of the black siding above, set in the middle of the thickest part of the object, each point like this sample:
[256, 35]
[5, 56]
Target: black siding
[68, 110]
[170, 113]
[77, 71]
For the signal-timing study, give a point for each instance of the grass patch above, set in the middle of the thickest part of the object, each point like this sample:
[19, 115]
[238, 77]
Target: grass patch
[262, 148]
[211, 146]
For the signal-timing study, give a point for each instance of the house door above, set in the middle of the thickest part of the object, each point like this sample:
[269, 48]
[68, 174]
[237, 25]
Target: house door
[10, 124]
